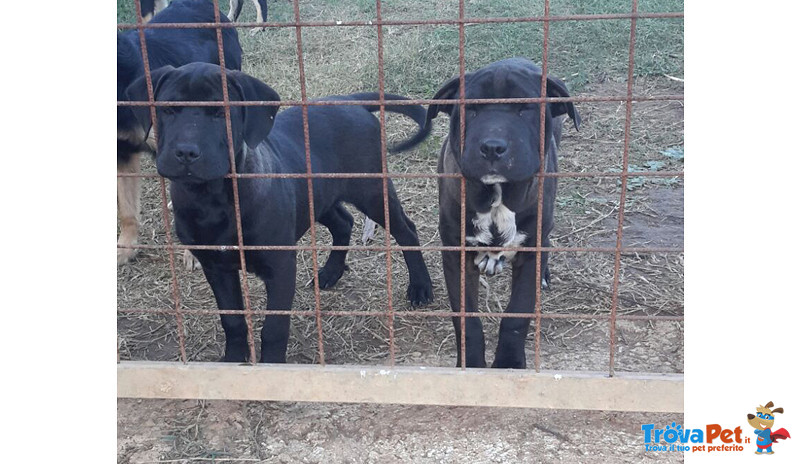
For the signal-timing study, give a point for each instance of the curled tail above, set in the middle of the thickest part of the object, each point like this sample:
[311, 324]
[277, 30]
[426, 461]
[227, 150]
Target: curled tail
[415, 112]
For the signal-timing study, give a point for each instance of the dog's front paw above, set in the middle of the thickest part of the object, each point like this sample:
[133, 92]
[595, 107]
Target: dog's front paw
[255, 30]
[236, 354]
[509, 362]
[329, 275]
[490, 263]
[420, 294]
[472, 361]
[190, 263]
[124, 255]
[276, 358]
[233, 358]
[546, 279]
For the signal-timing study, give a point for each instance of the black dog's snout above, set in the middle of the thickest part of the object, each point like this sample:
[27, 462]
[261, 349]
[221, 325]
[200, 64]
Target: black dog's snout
[493, 149]
[187, 153]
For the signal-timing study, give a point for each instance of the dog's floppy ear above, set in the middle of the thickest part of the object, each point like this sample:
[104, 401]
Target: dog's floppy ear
[779, 410]
[258, 120]
[448, 91]
[137, 91]
[557, 88]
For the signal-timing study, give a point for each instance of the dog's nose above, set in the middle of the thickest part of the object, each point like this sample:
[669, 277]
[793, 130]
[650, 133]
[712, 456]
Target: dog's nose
[187, 153]
[493, 149]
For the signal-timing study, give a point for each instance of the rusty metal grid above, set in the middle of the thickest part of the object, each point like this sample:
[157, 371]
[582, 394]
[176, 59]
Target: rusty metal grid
[318, 312]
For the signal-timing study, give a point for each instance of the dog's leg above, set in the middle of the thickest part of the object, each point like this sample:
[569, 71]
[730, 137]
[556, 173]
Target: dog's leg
[420, 288]
[261, 15]
[236, 10]
[510, 351]
[261, 10]
[340, 223]
[280, 283]
[228, 293]
[129, 207]
[475, 343]
[545, 264]
[190, 263]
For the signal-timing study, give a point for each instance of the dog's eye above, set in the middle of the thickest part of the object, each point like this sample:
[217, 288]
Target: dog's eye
[168, 110]
[219, 112]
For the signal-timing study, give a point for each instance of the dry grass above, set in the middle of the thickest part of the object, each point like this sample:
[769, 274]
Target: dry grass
[343, 60]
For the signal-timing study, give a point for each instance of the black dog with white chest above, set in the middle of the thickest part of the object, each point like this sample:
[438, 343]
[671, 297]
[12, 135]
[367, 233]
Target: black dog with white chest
[193, 152]
[500, 161]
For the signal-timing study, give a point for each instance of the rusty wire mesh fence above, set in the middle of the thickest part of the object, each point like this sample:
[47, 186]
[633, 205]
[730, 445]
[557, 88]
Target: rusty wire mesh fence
[390, 314]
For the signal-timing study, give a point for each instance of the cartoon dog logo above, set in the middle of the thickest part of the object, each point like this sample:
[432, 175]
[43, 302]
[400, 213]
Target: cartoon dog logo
[762, 421]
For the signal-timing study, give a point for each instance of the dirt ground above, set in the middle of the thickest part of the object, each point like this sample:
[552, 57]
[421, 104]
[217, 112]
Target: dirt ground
[243, 432]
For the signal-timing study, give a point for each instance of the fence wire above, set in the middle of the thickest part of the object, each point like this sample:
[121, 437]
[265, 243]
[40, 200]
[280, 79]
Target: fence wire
[379, 23]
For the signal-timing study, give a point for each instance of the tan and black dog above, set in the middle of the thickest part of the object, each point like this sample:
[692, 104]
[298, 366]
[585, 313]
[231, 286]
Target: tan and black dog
[164, 47]
[762, 421]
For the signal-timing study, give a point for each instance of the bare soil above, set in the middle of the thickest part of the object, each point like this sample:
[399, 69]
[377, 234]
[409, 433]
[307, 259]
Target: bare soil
[244, 432]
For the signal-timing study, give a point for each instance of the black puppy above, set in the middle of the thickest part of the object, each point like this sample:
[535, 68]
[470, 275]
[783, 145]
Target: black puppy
[164, 47]
[193, 152]
[500, 162]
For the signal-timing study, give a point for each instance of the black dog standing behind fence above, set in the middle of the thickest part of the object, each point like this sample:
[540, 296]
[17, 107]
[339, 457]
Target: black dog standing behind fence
[194, 153]
[500, 161]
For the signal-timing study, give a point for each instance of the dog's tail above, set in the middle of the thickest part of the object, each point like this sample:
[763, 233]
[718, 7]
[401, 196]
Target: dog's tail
[415, 112]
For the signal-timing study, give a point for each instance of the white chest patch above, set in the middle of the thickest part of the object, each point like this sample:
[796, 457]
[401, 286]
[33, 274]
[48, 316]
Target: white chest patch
[504, 234]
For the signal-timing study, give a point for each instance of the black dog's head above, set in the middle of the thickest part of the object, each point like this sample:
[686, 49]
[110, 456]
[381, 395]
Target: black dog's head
[502, 141]
[192, 140]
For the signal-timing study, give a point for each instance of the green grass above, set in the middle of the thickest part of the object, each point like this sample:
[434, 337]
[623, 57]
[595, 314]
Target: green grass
[419, 58]
[126, 12]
